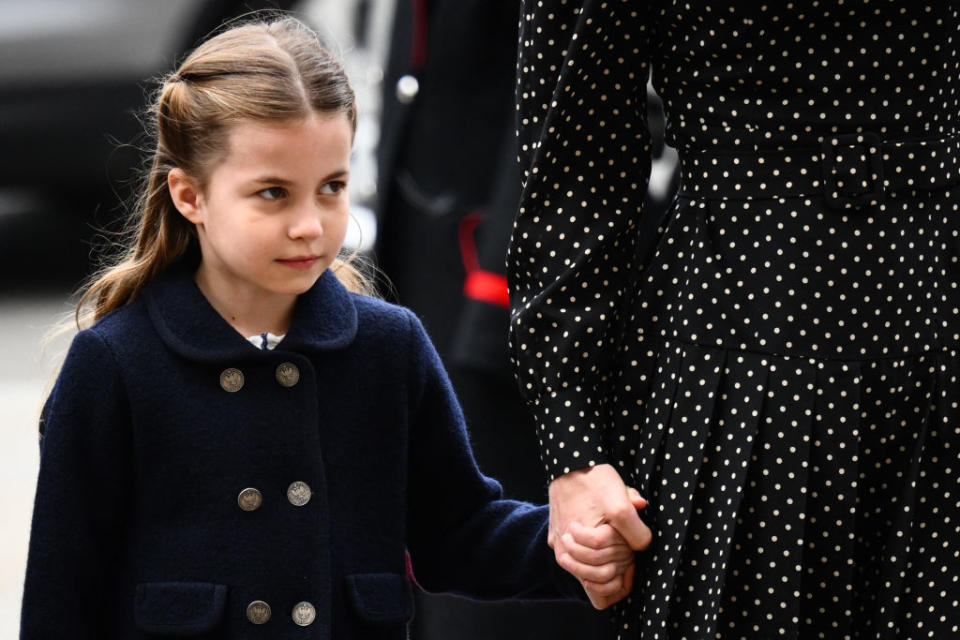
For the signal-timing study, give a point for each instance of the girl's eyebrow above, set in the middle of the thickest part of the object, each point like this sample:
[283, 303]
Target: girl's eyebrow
[283, 182]
[340, 173]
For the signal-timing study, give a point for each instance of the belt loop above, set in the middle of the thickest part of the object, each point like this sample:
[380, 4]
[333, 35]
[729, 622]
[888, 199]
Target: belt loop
[852, 170]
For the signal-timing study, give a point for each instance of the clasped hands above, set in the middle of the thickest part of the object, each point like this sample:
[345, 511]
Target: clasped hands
[595, 529]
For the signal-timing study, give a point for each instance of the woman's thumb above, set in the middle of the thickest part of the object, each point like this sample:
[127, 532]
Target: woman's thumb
[638, 501]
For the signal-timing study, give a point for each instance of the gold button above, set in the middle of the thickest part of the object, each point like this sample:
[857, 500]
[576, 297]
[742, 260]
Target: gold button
[231, 380]
[250, 499]
[304, 614]
[298, 493]
[288, 374]
[258, 612]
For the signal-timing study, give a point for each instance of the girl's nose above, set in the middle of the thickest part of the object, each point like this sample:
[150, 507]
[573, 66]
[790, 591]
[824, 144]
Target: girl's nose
[306, 223]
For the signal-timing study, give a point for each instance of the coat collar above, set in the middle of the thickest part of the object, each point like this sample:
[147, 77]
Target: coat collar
[324, 318]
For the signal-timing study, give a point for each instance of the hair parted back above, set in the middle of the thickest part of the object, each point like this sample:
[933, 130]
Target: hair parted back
[263, 70]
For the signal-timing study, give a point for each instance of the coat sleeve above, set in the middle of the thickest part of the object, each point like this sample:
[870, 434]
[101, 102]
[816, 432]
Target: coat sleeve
[575, 250]
[463, 536]
[81, 496]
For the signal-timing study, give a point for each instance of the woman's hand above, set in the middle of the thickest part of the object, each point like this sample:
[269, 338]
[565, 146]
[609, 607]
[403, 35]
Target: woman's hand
[594, 529]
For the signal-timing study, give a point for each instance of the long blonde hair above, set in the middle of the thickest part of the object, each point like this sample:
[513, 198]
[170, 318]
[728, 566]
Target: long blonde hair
[274, 70]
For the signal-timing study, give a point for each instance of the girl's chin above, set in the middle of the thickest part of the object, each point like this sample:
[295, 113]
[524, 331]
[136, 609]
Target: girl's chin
[301, 284]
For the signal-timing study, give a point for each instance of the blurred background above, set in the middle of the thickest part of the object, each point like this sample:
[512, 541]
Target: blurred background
[434, 187]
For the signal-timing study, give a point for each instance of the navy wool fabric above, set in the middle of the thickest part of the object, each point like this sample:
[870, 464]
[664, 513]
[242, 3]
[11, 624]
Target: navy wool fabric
[137, 530]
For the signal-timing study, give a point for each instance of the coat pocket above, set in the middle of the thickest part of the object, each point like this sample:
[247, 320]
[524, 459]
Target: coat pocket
[381, 598]
[179, 608]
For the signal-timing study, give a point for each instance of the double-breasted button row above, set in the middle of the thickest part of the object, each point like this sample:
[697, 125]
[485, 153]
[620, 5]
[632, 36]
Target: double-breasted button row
[303, 614]
[250, 499]
[231, 380]
[287, 374]
[298, 493]
[258, 612]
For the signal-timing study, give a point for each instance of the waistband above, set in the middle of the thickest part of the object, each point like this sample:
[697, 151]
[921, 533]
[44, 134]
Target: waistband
[848, 171]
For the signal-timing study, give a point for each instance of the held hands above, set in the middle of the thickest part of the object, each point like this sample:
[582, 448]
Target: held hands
[594, 530]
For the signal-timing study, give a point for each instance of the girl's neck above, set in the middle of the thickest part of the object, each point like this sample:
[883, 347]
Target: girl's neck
[248, 312]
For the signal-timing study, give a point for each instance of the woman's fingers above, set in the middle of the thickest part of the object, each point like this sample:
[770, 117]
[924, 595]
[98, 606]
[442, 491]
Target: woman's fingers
[624, 518]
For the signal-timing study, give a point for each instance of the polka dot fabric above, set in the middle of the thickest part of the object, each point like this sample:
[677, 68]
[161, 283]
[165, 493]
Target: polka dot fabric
[778, 375]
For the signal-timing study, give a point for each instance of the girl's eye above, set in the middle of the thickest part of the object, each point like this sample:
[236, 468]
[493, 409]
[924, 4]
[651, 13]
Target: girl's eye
[272, 193]
[333, 188]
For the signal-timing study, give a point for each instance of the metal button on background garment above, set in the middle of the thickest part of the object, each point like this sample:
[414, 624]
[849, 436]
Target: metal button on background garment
[407, 89]
[304, 614]
[258, 612]
[250, 499]
[299, 493]
[231, 380]
[287, 374]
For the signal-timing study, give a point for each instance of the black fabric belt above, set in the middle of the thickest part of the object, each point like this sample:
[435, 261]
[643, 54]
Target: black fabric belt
[849, 171]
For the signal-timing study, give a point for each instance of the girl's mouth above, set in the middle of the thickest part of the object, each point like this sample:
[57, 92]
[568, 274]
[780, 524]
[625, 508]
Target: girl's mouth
[299, 262]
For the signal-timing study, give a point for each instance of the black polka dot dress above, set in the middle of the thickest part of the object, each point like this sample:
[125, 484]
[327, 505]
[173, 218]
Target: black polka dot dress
[776, 369]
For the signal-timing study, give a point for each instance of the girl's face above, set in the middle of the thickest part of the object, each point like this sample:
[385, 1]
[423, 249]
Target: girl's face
[274, 211]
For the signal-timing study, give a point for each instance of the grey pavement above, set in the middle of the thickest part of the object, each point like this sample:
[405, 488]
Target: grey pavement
[25, 372]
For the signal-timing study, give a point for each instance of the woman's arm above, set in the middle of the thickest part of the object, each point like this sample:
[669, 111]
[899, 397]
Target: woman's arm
[574, 256]
[573, 259]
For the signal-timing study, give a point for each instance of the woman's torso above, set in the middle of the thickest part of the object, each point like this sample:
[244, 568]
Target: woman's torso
[767, 76]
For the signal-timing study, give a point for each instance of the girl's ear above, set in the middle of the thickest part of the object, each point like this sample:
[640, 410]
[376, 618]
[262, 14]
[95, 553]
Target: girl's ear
[185, 195]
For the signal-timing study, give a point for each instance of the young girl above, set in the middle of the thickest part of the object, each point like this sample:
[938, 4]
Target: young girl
[197, 482]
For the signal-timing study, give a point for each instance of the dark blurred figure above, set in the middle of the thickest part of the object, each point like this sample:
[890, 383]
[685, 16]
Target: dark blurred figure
[449, 185]
[72, 82]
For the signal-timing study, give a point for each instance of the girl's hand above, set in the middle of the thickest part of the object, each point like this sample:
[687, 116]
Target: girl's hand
[601, 559]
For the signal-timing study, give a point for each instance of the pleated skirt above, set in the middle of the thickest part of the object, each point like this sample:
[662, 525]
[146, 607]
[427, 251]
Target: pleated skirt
[789, 406]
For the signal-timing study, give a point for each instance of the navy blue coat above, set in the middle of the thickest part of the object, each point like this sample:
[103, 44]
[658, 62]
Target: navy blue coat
[137, 530]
